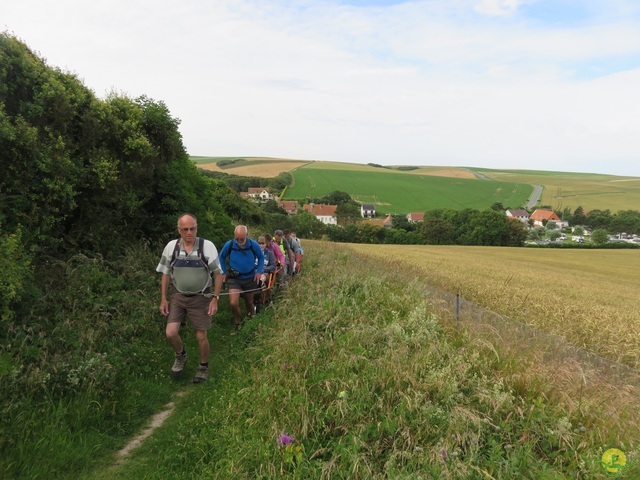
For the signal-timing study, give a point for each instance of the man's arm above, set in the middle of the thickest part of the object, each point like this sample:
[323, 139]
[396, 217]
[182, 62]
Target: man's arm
[217, 286]
[164, 287]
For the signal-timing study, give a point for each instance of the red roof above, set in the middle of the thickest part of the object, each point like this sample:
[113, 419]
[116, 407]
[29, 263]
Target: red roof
[544, 215]
[320, 210]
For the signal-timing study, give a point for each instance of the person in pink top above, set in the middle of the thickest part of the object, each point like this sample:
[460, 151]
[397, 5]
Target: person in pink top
[275, 248]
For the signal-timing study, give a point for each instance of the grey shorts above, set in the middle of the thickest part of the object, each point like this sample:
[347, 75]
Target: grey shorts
[195, 307]
[243, 284]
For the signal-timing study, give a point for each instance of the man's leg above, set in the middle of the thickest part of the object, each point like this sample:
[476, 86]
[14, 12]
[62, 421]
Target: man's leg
[173, 336]
[248, 297]
[203, 345]
[234, 303]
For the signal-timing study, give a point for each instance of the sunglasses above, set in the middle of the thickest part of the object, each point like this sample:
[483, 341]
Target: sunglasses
[262, 243]
[241, 240]
[188, 229]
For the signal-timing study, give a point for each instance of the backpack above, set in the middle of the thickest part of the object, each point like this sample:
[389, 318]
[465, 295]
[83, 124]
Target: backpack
[176, 252]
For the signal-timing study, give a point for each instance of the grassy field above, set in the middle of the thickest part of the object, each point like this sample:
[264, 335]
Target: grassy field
[591, 191]
[587, 297]
[353, 375]
[398, 193]
[250, 166]
[561, 189]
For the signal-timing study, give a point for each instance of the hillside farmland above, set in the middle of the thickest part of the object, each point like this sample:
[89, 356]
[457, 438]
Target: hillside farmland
[401, 193]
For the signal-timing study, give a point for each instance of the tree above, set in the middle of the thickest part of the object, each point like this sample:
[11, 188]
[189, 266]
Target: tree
[487, 227]
[600, 236]
[271, 206]
[627, 221]
[597, 219]
[401, 222]
[578, 217]
[347, 213]
[554, 234]
[437, 231]
[308, 226]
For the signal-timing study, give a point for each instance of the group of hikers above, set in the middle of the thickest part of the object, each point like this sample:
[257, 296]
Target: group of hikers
[249, 268]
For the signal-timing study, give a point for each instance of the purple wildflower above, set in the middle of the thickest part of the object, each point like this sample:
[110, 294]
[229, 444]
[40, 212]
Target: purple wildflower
[285, 439]
[444, 454]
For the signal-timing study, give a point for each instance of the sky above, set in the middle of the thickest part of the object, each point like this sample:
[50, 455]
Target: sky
[523, 84]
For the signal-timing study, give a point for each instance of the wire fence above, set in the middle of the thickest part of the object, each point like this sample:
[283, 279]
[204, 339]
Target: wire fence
[572, 366]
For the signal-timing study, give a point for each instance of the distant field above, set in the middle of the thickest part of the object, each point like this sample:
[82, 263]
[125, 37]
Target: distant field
[588, 297]
[453, 172]
[398, 192]
[561, 189]
[571, 190]
[250, 166]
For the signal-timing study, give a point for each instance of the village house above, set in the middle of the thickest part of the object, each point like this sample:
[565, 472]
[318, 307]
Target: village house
[367, 210]
[325, 213]
[386, 222]
[258, 194]
[549, 215]
[519, 214]
[289, 206]
[415, 217]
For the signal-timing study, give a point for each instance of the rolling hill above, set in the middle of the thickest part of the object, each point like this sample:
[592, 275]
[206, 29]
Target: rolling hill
[397, 189]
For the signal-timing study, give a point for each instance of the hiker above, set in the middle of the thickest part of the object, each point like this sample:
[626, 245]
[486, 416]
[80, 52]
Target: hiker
[295, 252]
[242, 263]
[270, 267]
[270, 262]
[187, 263]
[285, 249]
[273, 246]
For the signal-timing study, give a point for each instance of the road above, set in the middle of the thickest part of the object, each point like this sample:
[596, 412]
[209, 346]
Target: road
[535, 196]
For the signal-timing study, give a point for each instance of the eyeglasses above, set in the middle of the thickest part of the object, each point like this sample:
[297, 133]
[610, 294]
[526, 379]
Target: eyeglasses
[188, 229]
[241, 240]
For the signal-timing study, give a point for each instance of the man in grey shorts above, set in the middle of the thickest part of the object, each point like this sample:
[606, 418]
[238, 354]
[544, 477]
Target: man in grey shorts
[242, 263]
[187, 263]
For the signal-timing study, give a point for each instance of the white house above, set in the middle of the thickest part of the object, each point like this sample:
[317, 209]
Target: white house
[325, 213]
[367, 210]
[521, 215]
[260, 194]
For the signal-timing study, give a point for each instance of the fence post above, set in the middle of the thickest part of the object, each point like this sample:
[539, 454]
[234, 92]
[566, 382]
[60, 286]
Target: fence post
[457, 309]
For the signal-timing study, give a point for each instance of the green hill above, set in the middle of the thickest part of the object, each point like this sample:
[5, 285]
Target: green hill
[396, 193]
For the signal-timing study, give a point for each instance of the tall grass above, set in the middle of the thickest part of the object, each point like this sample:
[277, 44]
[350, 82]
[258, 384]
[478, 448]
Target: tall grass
[355, 365]
[88, 364]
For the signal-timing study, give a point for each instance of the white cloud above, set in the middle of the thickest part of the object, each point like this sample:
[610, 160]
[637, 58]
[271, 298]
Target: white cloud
[424, 82]
[498, 7]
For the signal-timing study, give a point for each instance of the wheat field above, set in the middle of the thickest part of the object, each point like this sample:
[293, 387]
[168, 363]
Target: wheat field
[588, 297]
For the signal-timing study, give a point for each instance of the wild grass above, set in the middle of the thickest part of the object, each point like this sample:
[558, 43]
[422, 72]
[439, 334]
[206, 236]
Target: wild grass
[587, 297]
[87, 366]
[355, 364]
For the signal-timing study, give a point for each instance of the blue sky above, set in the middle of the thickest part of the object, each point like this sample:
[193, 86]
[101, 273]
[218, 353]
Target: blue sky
[531, 84]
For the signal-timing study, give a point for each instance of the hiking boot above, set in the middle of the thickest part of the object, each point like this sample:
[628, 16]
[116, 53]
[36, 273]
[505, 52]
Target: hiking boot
[201, 374]
[236, 329]
[179, 363]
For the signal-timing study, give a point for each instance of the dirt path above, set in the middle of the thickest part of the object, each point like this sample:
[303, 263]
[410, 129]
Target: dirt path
[156, 421]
